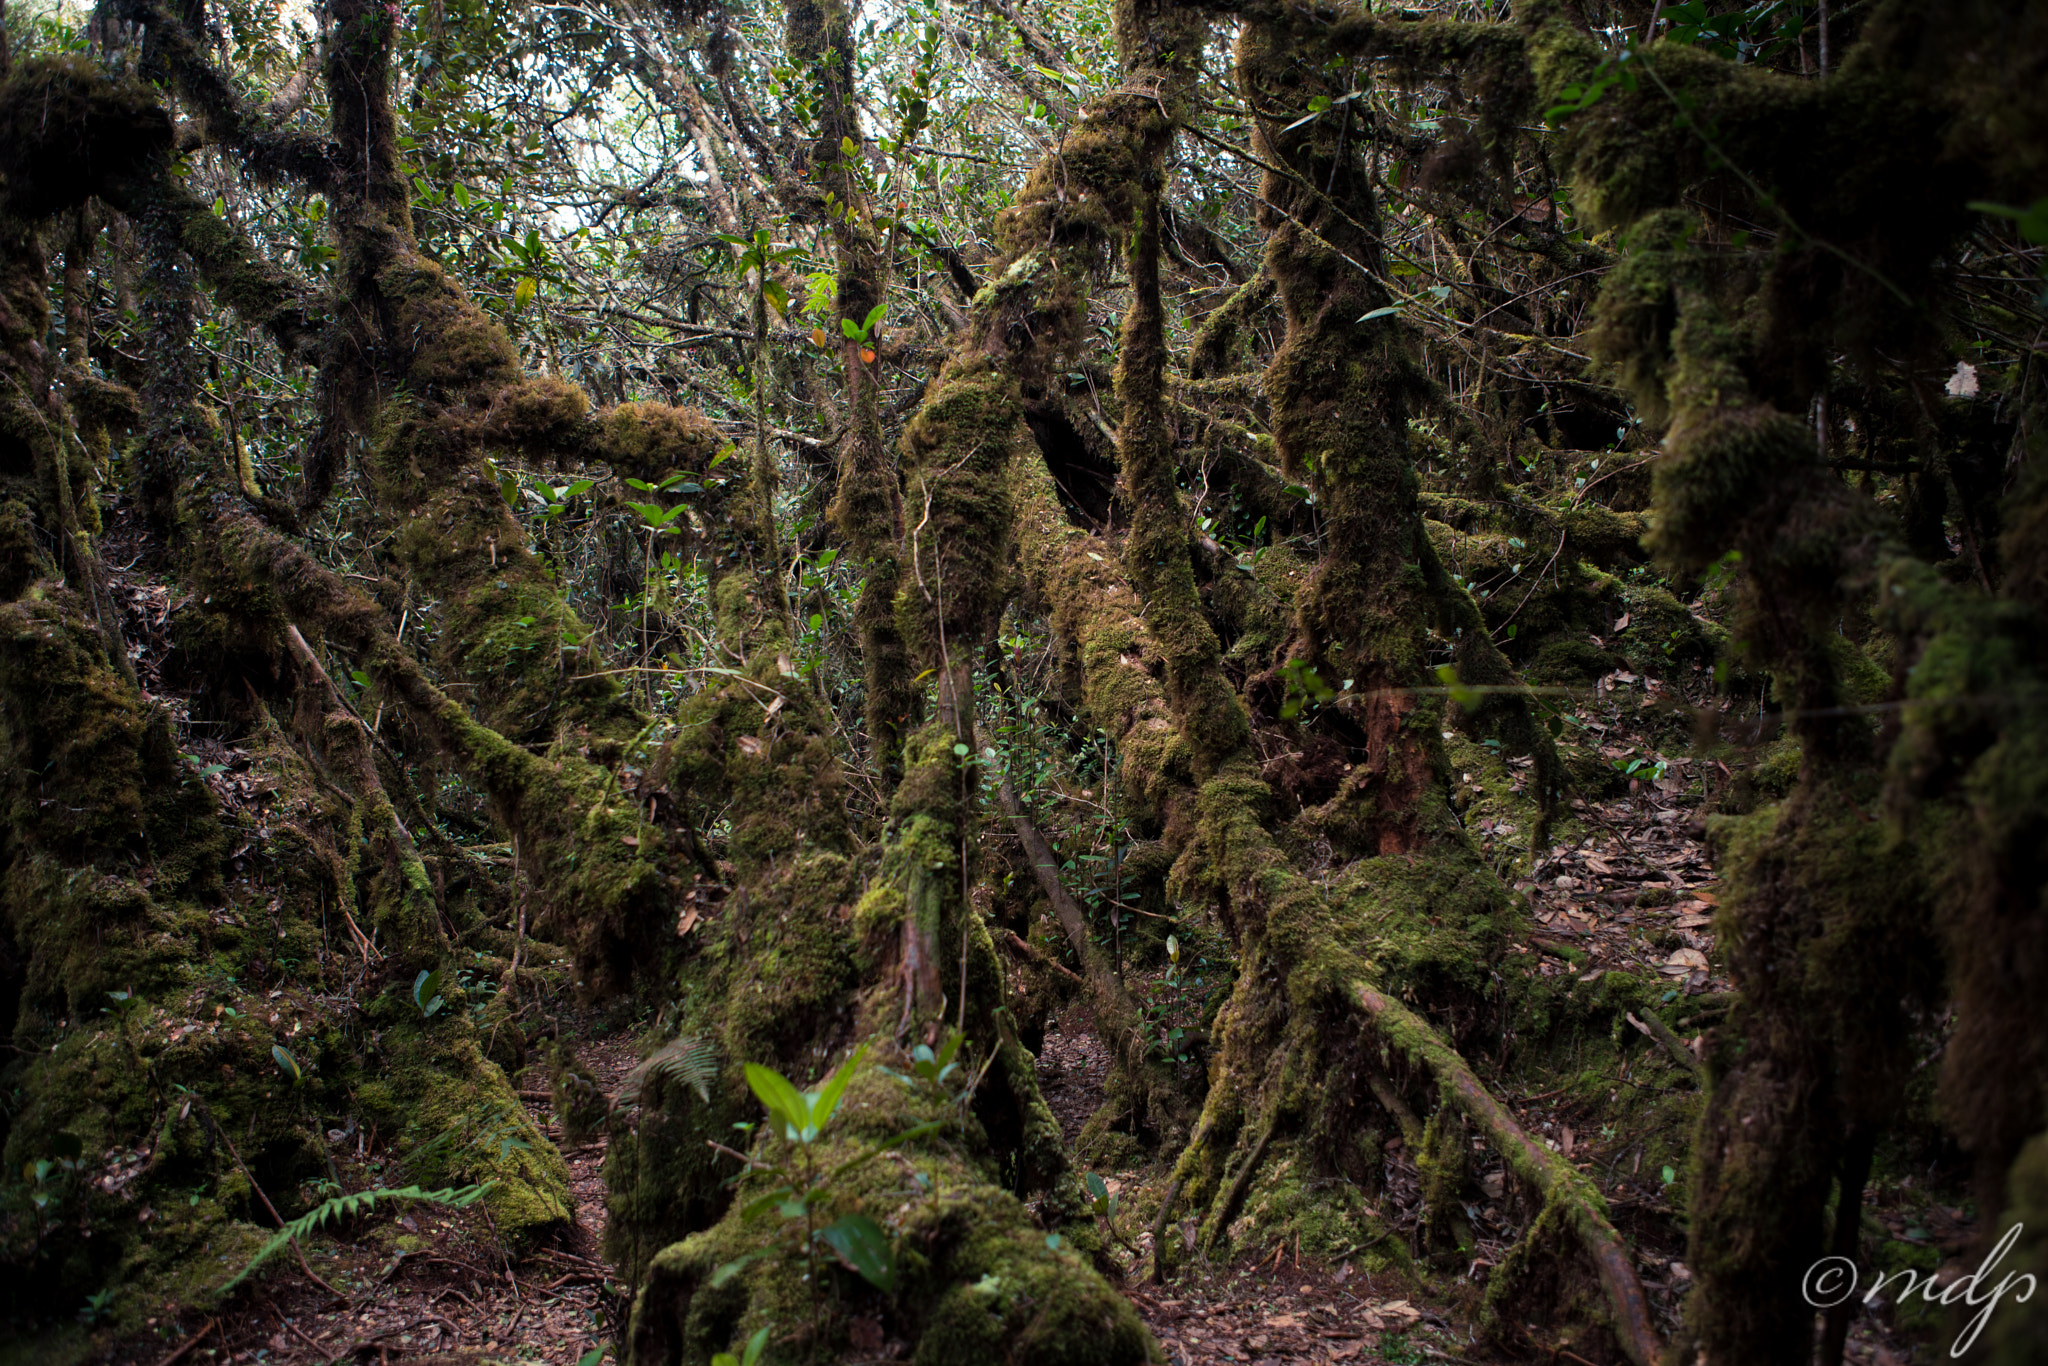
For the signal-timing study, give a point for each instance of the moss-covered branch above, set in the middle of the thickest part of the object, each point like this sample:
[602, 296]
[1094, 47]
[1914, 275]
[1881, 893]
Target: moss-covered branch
[1546, 1172]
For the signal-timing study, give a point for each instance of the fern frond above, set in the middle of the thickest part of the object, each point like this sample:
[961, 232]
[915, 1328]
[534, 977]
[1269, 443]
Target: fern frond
[688, 1059]
[345, 1206]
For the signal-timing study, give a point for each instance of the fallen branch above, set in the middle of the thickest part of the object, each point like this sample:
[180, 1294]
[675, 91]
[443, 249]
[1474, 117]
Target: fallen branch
[1116, 1015]
[1670, 1042]
[178, 1353]
[1041, 957]
[1543, 1169]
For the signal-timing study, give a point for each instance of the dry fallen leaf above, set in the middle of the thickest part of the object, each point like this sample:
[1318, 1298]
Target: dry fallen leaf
[751, 745]
[1394, 1314]
[1684, 961]
[1693, 922]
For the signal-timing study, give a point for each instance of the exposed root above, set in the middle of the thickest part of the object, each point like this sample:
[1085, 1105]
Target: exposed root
[1549, 1173]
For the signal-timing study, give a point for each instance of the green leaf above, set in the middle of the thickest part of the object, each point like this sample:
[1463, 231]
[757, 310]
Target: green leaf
[733, 1268]
[1669, 1176]
[1389, 310]
[874, 316]
[523, 292]
[864, 1248]
[826, 1102]
[849, 329]
[1463, 694]
[786, 1105]
[288, 1064]
[424, 987]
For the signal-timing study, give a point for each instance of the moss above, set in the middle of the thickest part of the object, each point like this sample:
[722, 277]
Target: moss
[974, 1277]
[70, 131]
[1427, 927]
[1820, 916]
[1324, 1217]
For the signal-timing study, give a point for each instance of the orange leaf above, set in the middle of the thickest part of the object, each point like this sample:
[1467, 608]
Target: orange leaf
[817, 336]
[867, 355]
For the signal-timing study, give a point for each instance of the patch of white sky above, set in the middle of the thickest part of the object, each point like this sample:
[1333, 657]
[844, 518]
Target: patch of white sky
[633, 139]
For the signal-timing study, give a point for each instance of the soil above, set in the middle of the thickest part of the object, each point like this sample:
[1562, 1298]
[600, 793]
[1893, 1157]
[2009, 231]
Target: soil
[452, 1296]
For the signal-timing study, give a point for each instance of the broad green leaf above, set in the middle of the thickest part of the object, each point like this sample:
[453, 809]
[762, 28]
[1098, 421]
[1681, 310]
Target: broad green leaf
[760, 1205]
[734, 1267]
[826, 1102]
[864, 1247]
[786, 1105]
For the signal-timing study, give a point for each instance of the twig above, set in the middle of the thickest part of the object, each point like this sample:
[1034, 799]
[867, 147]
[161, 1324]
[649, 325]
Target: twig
[1649, 1024]
[297, 1251]
[314, 1343]
[1538, 583]
[1041, 957]
[178, 1353]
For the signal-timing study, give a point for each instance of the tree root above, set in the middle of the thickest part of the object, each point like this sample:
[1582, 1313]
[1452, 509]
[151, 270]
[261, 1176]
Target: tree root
[1559, 1182]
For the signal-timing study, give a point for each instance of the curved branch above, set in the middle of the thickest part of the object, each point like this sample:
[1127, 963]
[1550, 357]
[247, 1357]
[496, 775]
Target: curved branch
[1543, 1169]
[270, 153]
[1116, 1015]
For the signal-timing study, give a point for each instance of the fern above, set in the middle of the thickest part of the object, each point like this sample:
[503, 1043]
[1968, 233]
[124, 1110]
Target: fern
[345, 1206]
[499, 1127]
[691, 1059]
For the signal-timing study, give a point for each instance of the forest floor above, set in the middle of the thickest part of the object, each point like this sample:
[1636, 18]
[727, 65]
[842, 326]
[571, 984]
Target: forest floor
[1625, 884]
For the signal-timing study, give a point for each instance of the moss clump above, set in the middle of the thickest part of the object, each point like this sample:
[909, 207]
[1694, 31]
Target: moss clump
[1325, 1217]
[975, 1279]
[71, 131]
